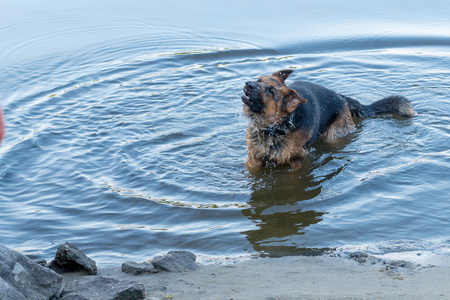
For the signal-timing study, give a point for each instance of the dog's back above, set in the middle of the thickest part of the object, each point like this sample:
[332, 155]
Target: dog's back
[320, 111]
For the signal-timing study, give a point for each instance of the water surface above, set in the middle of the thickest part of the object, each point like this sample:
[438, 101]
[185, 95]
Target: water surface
[125, 132]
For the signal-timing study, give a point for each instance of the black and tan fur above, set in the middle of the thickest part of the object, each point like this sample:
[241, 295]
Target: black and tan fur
[285, 120]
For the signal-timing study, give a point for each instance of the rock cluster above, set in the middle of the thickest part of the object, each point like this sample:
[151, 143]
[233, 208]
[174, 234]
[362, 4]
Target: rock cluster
[174, 261]
[21, 278]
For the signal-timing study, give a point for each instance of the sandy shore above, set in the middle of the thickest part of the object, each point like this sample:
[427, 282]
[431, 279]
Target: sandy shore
[295, 278]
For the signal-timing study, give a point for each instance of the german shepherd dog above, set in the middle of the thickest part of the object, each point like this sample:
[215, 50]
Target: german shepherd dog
[285, 120]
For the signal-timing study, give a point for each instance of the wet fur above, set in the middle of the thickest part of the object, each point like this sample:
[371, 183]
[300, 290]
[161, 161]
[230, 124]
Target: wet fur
[285, 120]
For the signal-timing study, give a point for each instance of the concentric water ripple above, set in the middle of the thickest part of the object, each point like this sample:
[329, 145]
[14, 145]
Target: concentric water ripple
[134, 144]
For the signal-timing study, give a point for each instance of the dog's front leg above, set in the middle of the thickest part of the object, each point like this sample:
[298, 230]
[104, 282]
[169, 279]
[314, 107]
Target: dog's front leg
[253, 162]
[295, 164]
[296, 161]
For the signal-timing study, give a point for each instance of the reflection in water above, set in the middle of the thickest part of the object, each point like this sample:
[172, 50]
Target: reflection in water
[278, 202]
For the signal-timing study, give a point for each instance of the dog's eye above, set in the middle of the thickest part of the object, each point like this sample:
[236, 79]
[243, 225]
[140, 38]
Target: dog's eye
[271, 90]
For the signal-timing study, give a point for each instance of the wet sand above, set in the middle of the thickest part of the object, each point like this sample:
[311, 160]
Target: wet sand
[321, 277]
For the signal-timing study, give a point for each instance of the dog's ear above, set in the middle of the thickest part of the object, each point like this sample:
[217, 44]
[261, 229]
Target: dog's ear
[291, 100]
[283, 74]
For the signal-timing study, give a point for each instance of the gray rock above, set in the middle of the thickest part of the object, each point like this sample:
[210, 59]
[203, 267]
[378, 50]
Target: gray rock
[74, 297]
[396, 268]
[102, 288]
[21, 278]
[134, 268]
[364, 258]
[8, 292]
[40, 261]
[69, 258]
[395, 264]
[176, 261]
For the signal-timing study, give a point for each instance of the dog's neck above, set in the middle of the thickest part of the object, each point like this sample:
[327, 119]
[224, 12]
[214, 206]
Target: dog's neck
[283, 128]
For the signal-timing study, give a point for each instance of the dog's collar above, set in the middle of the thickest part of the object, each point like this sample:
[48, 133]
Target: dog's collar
[278, 130]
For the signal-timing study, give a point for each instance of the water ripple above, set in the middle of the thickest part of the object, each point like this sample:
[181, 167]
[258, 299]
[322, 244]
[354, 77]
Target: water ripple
[135, 139]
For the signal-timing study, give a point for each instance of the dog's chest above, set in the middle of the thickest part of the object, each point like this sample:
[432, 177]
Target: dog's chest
[279, 149]
[269, 146]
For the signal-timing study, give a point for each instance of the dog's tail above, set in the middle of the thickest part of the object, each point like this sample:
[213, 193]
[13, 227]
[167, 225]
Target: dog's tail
[390, 104]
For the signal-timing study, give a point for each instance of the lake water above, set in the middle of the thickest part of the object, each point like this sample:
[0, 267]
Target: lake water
[125, 132]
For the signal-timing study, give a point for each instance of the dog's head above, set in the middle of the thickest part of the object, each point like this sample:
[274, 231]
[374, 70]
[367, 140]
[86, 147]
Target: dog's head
[269, 100]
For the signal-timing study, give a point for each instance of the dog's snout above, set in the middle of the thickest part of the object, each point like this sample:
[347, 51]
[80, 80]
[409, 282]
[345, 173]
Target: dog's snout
[251, 96]
[251, 85]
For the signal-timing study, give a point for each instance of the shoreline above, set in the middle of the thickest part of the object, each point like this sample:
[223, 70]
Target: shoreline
[294, 277]
[71, 275]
